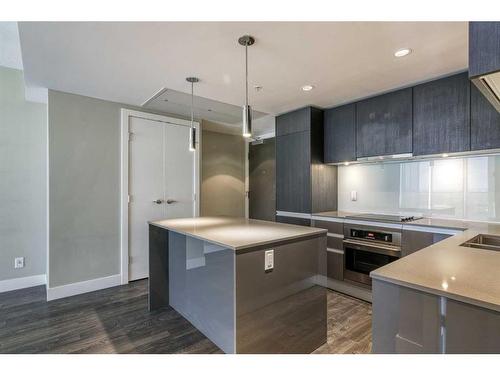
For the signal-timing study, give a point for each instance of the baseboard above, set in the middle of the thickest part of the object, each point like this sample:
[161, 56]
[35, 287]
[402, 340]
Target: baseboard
[22, 282]
[83, 287]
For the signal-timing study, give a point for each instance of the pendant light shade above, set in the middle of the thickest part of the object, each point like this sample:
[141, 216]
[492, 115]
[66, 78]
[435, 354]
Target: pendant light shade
[192, 130]
[246, 41]
[192, 139]
[247, 121]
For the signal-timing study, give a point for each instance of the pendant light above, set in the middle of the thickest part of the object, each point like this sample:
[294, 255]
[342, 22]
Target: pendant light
[192, 130]
[246, 41]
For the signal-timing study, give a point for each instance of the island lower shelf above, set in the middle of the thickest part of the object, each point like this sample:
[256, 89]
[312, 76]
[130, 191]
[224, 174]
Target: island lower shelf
[233, 300]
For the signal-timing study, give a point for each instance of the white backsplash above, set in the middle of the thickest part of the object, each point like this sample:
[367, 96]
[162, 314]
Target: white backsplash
[459, 188]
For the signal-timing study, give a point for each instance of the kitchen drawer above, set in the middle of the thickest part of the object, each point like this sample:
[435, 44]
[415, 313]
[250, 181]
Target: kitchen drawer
[293, 220]
[335, 265]
[332, 227]
[334, 243]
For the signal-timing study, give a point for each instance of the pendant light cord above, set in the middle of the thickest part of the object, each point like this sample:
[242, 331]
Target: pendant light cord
[246, 74]
[192, 104]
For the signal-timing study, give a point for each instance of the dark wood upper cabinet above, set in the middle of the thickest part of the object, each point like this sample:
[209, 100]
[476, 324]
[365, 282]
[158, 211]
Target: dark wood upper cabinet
[485, 122]
[441, 116]
[303, 183]
[340, 134]
[484, 48]
[293, 122]
[384, 124]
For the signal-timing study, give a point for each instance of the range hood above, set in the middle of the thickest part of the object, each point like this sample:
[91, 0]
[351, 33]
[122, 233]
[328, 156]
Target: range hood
[489, 85]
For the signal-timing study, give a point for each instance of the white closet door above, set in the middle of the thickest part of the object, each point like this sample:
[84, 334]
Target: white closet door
[161, 183]
[179, 173]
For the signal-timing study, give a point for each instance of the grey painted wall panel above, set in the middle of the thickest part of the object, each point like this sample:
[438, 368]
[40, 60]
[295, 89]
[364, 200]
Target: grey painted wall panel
[23, 140]
[222, 174]
[84, 175]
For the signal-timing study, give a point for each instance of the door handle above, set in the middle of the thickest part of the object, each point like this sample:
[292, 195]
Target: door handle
[170, 201]
[158, 201]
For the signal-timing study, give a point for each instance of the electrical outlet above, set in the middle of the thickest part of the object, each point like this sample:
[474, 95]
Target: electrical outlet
[269, 260]
[19, 262]
[354, 195]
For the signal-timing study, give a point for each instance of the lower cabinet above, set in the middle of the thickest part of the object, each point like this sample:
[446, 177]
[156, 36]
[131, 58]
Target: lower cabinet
[471, 329]
[334, 244]
[335, 264]
[293, 220]
[404, 321]
[408, 321]
[412, 240]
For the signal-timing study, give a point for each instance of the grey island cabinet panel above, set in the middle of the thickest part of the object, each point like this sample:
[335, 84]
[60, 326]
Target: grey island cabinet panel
[484, 48]
[384, 124]
[340, 134]
[485, 122]
[441, 116]
[215, 272]
[293, 172]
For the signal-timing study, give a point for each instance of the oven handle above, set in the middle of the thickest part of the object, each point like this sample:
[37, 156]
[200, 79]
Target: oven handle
[376, 248]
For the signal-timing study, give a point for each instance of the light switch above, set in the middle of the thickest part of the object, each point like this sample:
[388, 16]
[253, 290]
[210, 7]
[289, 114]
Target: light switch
[269, 260]
[354, 195]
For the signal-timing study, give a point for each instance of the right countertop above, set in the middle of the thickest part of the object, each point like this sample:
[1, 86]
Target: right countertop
[447, 269]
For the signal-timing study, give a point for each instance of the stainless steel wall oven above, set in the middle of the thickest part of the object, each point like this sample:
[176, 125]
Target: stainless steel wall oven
[367, 248]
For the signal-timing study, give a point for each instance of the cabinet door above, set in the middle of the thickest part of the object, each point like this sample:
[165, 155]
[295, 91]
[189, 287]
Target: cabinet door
[441, 116]
[384, 124]
[412, 241]
[293, 220]
[471, 329]
[293, 173]
[340, 134]
[484, 48]
[293, 122]
[485, 122]
[335, 265]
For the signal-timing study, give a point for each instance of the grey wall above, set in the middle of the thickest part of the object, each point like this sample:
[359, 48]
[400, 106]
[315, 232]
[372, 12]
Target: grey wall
[23, 141]
[222, 174]
[84, 178]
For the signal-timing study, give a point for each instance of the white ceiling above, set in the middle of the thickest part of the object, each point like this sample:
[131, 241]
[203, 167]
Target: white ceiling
[128, 62]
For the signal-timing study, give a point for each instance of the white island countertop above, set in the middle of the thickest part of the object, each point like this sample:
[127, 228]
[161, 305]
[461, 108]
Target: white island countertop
[238, 233]
[448, 269]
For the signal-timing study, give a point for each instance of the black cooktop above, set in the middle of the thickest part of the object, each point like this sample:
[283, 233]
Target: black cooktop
[386, 218]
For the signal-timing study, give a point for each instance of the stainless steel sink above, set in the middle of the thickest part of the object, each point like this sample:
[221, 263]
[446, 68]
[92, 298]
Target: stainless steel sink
[484, 241]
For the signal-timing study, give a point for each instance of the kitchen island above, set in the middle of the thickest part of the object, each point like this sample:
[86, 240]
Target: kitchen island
[250, 286]
[444, 298]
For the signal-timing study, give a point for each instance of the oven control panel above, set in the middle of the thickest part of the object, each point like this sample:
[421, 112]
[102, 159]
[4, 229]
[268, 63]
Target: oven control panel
[371, 235]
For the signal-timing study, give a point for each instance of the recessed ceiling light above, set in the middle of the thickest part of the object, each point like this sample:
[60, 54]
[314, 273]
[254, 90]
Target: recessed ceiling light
[307, 87]
[346, 163]
[402, 52]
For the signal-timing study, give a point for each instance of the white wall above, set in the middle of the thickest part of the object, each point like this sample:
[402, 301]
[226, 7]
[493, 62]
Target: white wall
[23, 142]
[460, 188]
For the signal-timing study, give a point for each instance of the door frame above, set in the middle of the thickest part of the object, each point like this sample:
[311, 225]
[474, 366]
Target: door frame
[126, 114]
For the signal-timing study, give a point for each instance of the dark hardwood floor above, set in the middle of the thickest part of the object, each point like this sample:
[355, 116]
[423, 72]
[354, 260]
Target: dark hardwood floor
[116, 320]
